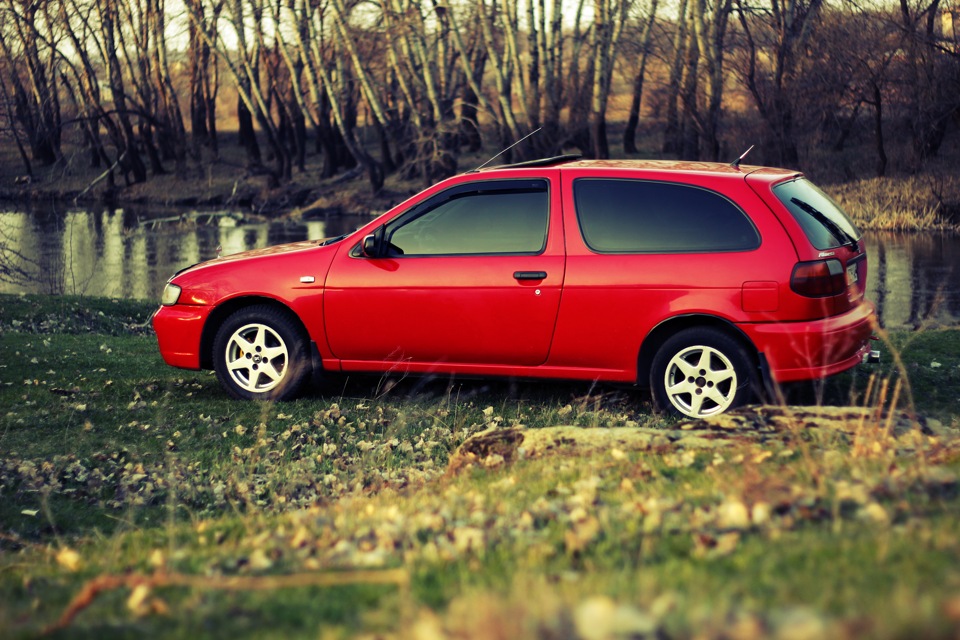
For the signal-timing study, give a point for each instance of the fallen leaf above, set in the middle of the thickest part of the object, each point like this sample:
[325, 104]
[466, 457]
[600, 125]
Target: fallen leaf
[259, 560]
[137, 602]
[733, 514]
[68, 559]
[157, 558]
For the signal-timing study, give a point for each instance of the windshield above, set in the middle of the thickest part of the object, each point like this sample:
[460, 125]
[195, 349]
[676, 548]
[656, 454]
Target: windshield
[823, 222]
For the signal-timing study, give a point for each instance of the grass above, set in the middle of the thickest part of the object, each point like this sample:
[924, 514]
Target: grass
[341, 515]
[929, 202]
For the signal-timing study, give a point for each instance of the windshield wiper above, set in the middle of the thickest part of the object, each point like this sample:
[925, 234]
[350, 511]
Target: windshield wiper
[835, 230]
[332, 240]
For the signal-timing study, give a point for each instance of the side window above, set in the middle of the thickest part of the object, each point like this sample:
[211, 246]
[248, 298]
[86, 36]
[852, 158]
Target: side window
[636, 216]
[507, 217]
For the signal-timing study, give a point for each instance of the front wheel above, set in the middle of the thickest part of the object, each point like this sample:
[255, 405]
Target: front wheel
[701, 372]
[261, 353]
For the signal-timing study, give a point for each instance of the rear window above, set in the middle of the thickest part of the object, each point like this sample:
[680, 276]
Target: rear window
[638, 216]
[823, 221]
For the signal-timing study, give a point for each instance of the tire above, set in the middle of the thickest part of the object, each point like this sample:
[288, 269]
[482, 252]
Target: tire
[261, 353]
[701, 372]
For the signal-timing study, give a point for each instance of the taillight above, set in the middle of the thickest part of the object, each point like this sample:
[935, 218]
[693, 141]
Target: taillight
[818, 279]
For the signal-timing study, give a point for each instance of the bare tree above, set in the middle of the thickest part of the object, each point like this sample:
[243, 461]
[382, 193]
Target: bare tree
[609, 17]
[672, 137]
[646, 37]
[33, 76]
[932, 74]
[204, 74]
[776, 35]
[710, 18]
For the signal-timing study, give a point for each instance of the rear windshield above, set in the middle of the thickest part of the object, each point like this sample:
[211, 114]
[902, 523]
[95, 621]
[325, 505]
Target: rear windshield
[823, 221]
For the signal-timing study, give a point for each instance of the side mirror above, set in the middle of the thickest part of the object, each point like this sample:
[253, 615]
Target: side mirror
[372, 245]
[369, 246]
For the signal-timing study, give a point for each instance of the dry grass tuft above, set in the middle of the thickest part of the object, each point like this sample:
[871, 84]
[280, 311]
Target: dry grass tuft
[903, 203]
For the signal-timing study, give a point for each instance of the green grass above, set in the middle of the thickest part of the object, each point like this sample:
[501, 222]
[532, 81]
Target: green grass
[145, 470]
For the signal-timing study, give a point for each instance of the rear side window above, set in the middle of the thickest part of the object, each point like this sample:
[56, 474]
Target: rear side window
[502, 217]
[824, 223]
[637, 216]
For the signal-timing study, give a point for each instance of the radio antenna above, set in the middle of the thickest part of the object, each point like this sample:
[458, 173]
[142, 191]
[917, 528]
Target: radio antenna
[736, 163]
[505, 150]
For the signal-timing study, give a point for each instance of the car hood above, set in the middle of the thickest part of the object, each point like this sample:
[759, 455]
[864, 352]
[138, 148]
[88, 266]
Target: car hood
[270, 251]
[276, 250]
[255, 254]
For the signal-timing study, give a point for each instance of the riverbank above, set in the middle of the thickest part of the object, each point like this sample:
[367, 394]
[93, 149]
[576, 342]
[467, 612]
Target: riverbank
[225, 182]
[928, 201]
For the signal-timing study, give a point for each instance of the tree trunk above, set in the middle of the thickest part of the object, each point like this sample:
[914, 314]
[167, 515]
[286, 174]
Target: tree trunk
[130, 162]
[672, 141]
[246, 134]
[878, 130]
[633, 120]
[689, 135]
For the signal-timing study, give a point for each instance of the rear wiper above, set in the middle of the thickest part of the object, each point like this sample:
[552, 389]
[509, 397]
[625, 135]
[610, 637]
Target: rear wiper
[835, 230]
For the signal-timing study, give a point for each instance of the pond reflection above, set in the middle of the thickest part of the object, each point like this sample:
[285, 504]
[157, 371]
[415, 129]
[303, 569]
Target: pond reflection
[914, 279]
[125, 253]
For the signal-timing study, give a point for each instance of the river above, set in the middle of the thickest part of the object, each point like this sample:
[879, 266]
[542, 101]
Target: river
[129, 253]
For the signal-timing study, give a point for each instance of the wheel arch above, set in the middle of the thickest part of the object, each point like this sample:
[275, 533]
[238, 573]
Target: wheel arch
[223, 311]
[670, 327]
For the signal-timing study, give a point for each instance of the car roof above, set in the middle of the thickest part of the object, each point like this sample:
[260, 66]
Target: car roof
[687, 167]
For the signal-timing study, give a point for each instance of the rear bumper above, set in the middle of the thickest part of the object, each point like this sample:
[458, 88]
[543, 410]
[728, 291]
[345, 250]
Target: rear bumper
[178, 331]
[816, 349]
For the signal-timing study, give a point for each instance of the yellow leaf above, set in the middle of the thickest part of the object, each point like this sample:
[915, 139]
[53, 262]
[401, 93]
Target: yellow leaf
[68, 559]
[259, 560]
[300, 538]
[137, 602]
[157, 559]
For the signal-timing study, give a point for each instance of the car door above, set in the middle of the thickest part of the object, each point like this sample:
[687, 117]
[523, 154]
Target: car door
[472, 275]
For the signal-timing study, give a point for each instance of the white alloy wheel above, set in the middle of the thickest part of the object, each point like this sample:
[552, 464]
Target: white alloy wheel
[256, 358]
[703, 371]
[262, 352]
[700, 381]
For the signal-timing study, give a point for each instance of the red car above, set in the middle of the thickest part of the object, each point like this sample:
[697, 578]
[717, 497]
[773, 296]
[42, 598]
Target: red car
[706, 282]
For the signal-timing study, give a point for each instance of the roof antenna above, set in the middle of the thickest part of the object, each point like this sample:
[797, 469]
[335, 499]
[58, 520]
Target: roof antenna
[505, 150]
[736, 163]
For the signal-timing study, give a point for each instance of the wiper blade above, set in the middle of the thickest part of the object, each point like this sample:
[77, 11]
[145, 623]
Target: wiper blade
[835, 230]
[332, 240]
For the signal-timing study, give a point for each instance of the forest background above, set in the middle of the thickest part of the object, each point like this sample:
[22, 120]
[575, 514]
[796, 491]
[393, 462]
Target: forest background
[105, 96]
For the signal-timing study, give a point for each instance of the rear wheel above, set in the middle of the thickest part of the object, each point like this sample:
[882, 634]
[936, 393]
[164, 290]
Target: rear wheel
[261, 353]
[701, 372]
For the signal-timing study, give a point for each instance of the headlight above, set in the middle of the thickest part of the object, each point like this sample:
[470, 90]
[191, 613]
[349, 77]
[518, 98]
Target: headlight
[171, 293]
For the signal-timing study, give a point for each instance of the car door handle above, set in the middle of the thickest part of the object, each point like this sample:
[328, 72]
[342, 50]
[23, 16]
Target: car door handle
[529, 275]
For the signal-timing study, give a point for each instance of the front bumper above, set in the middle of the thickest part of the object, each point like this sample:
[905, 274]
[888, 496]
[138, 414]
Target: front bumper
[179, 329]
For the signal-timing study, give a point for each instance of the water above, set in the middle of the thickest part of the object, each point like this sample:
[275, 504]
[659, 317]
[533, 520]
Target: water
[914, 278]
[129, 253]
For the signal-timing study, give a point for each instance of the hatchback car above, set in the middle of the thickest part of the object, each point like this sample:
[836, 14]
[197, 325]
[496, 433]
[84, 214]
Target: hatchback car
[707, 283]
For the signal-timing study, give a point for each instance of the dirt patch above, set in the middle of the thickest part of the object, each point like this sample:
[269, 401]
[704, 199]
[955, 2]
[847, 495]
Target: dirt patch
[760, 424]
